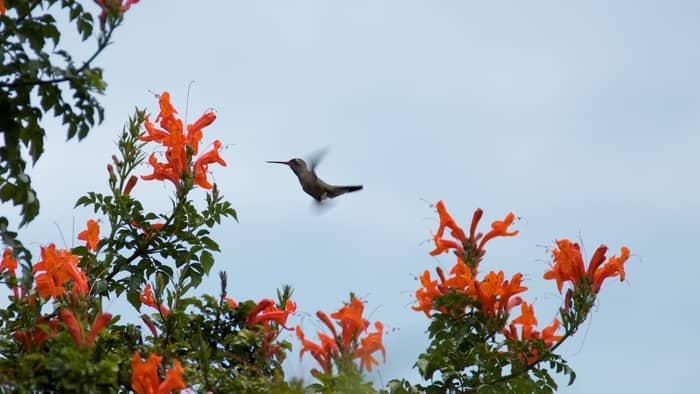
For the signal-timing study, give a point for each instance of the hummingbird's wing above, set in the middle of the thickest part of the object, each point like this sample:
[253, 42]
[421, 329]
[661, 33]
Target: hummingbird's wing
[315, 158]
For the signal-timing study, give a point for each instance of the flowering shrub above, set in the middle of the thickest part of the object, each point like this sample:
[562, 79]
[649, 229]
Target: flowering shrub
[476, 344]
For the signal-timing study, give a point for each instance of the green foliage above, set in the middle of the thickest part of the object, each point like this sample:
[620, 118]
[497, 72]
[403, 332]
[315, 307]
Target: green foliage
[466, 354]
[38, 76]
[225, 353]
[346, 381]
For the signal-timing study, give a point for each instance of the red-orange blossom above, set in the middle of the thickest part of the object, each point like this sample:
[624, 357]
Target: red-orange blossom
[180, 147]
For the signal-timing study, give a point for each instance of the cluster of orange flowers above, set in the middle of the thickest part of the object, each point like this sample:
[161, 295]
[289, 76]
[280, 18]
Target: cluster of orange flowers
[495, 295]
[145, 378]
[180, 146]
[528, 322]
[493, 292]
[55, 269]
[471, 248]
[568, 265]
[333, 347]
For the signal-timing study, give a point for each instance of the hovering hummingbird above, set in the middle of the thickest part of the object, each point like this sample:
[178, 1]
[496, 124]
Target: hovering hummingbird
[311, 183]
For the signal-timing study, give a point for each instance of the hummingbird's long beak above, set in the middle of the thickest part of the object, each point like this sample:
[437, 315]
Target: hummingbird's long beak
[279, 162]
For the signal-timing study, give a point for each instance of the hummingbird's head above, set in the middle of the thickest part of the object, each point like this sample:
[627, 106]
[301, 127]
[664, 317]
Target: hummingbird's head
[297, 165]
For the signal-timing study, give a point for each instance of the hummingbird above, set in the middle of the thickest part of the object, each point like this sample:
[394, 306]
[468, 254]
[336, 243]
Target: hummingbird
[311, 183]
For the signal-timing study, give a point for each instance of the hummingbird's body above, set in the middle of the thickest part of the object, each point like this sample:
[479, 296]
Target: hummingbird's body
[312, 184]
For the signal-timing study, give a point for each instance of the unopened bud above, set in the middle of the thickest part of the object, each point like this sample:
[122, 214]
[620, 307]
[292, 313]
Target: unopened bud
[130, 185]
[110, 170]
[150, 325]
[567, 299]
[115, 160]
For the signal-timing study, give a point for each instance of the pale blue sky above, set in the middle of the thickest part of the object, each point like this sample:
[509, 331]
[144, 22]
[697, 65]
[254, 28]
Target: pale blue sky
[581, 119]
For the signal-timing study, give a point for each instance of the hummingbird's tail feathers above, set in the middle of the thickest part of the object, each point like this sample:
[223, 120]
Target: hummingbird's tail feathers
[338, 190]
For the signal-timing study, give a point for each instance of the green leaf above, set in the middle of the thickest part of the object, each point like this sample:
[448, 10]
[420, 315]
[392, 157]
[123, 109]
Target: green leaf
[207, 261]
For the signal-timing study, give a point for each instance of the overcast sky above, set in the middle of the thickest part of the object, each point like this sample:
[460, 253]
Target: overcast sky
[581, 119]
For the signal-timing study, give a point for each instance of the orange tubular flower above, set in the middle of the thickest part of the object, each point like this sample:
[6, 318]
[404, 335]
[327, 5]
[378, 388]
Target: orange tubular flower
[263, 315]
[528, 321]
[180, 146]
[145, 379]
[348, 342]
[467, 248]
[194, 130]
[615, 266]
[568, 265]
[148, 299]
[323, 353]
[548, 333]
[426, 294]
[446, 221]
[101, 321]
[499, 228]
[202, 164]
[8, 263]
[55, 269]
[91, 235]
[2, 7]
[266, 311]
[370, 344]
[495, 294]
[351, 321]
[73, 326]
[173, 379]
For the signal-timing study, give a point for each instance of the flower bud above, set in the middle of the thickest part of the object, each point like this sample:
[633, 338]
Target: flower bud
[130, 185]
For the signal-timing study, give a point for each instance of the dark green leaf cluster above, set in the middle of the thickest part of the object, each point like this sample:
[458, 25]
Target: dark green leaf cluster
[226, 353]
[349, 380]
[39, 76]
